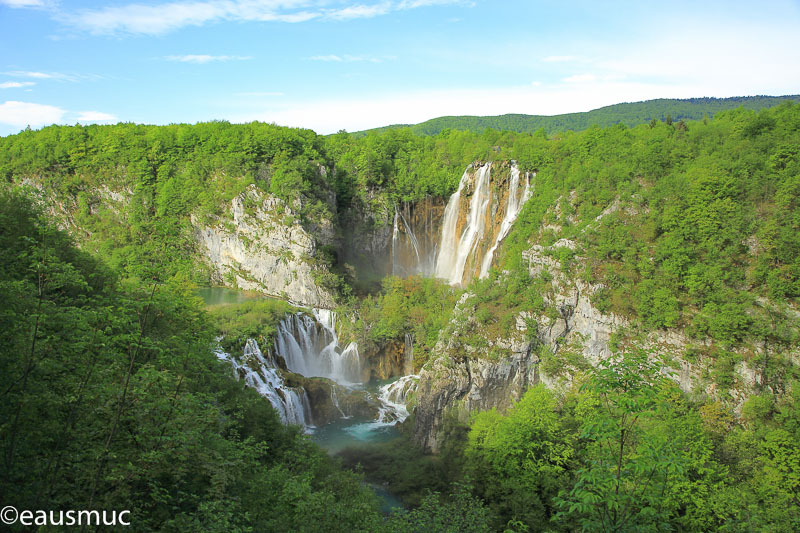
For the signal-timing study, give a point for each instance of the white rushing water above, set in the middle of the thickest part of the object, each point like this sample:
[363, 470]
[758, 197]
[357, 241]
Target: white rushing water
[260, 373]
[310, 347]
[408, 256]
[393, 396]
[513, 206]
[457, 249]
[445, 262]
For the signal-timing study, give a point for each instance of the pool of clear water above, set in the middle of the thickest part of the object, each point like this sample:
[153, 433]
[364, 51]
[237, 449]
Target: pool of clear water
[225, 296]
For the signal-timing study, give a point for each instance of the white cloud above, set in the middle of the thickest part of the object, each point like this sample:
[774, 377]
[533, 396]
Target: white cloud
[203, 58]
[21, 114]
[23, 3]
[16, 84]
[330, 57]
[38, 75]
[45, 75]
[154, 19]
[95, 116]
[359, 11]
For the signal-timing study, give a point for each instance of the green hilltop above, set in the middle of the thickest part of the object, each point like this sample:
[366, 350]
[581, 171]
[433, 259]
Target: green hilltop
[629, 113]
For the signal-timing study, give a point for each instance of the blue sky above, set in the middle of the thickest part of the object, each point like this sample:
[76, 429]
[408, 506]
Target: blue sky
[342, 64]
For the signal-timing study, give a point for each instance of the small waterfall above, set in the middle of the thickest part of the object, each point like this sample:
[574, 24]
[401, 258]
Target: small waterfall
[335, 402]
[513, 206]
[409, 255]
[310, 347]
[259, 372]
[408, 353]
[445, 262]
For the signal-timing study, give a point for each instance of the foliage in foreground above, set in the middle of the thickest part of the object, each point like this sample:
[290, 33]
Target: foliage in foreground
[112, 399]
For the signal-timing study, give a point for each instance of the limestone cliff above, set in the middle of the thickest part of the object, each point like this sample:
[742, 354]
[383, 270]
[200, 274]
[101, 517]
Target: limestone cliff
[473, 371]
[260, 245]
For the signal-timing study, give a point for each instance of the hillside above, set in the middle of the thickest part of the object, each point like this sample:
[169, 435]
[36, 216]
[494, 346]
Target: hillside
[589, 330]
[630, 114]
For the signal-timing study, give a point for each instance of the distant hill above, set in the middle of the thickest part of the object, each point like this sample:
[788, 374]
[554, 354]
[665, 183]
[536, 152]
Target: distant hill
[631, 114]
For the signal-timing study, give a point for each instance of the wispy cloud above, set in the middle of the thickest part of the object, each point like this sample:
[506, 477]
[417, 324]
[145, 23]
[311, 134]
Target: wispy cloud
[21, 114]
[16, 84]
[23, 3]
[345, 58]
[203, 58]
[40, 75]
[154, 19]
[95, 116]
[359, 11]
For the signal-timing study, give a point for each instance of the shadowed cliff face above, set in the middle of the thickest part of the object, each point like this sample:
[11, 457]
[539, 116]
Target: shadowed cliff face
[416, 233]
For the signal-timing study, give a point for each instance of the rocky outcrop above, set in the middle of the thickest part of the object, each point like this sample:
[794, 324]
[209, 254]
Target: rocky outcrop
[464, 386]
[330, 401]
[466, 375]
[390, 360]
[261, 246]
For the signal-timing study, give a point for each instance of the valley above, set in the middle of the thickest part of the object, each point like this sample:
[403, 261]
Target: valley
[529, 331]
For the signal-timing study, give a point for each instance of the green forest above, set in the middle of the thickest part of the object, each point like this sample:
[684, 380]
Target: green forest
[630, 114]
[113, 398]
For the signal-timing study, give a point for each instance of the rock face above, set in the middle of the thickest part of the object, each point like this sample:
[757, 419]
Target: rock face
[383, 362]
[465, 386]
[330, 401]
[463, 377]
[261, 246]
[416, 233]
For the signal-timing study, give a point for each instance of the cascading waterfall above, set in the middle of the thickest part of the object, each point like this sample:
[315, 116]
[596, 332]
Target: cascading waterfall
[462, 236]
[513, 206]
[260, 373]
[447, 249]
[409, 256]
[310, 347]
[456, 250]
[393, 396]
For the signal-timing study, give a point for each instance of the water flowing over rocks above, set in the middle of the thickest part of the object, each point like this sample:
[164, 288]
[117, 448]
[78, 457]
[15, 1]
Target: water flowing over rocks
[311, 380]
[477, 218]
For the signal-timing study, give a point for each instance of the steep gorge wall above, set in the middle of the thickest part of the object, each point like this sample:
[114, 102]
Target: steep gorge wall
[462, 376]
[260, 245]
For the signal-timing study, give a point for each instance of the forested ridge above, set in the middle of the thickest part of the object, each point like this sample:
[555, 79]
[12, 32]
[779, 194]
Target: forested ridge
[112, 396]
[630, 114]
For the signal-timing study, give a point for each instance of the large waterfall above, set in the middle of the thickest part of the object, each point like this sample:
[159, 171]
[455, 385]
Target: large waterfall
[513, 205]
[466, 232]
